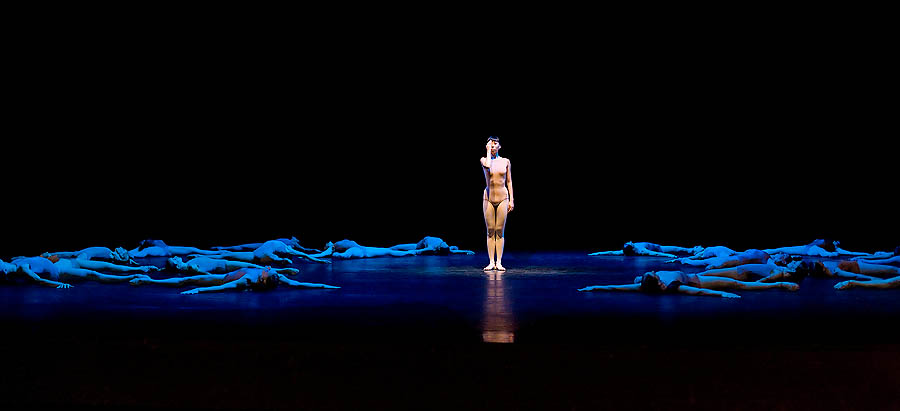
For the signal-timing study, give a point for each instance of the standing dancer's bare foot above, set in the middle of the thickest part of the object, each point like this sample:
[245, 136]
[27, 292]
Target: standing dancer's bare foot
[490, 267]
[500, 267]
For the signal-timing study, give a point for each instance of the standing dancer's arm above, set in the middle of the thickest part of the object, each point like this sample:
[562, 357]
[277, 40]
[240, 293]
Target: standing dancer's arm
[509, 184]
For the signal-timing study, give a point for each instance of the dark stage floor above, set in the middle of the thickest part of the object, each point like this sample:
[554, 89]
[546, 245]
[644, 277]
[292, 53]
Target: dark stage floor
[410, 332]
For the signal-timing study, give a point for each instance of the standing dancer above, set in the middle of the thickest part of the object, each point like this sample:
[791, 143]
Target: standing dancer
[497, 201]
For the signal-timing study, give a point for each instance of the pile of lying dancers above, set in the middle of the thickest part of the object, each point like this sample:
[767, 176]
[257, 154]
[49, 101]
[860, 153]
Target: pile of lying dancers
[249, 266]
[241, 267]
[754, 269]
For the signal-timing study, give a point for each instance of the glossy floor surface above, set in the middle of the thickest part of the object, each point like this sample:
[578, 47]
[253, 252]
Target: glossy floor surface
[411, 332]
[451, 298]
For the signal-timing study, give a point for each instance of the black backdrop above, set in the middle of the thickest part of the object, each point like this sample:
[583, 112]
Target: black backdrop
[759, 156]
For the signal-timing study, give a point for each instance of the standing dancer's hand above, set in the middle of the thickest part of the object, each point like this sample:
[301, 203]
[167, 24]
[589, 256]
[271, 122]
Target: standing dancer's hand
[510, 206]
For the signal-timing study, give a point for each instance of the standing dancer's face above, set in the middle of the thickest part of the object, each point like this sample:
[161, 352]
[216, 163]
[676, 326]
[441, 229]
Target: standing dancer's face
[495, 147]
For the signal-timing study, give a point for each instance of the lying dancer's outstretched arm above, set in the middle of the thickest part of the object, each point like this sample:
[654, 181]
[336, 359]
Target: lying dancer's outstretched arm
[879, 283]
[624, 287]
[616, 252]
[297, 284]
[42, 281]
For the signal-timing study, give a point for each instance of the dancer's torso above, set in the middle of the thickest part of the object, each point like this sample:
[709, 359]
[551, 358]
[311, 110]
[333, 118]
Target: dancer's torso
[496, 181]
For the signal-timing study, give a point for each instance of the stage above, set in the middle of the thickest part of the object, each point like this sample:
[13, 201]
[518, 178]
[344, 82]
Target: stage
[438, 332]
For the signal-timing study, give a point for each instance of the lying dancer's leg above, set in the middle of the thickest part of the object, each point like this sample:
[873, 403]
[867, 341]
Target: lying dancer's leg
[729, 283]
[671, 249]
[890, 260]
[269, 258]
[878, 269]
[102, 265]
[499, 230]
[732, 273]
[292, 251]
[231, 285]
[207, 279]
[490, 220]
[178, 250]
[795, 250]
[237, 265]
[888, 283]
[684, 289]
[246, 256]
[651, 253]
[240, 283]
[849, 274]
[695, 263]
[85, 274]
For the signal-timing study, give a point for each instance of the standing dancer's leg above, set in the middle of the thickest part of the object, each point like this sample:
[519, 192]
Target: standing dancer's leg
[489, 222]
[499, 228]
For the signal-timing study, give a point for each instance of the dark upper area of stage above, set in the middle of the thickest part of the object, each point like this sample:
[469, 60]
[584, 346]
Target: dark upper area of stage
[674, 154]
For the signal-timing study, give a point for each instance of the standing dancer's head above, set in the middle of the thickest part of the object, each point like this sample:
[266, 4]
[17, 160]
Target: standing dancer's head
[494, 141]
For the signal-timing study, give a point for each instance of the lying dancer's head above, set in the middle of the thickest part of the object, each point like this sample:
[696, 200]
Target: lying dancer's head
[6, 268]
[795, 271]
[151, 243]
[628, 249]
[827, 244]
[121, 255]
[808, 269]
[267, 280]
[345, 245]
[785, 259]
[649, 282]
[174, 262]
